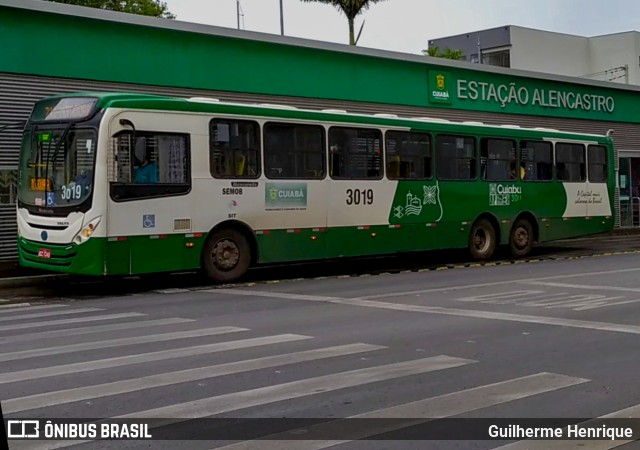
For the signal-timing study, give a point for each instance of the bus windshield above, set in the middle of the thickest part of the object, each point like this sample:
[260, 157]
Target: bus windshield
[56, 166]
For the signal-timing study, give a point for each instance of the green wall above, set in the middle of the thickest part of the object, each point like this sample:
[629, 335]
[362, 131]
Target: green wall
[48, 44]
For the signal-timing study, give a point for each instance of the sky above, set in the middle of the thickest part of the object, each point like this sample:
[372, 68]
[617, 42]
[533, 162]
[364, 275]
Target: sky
[407, 25]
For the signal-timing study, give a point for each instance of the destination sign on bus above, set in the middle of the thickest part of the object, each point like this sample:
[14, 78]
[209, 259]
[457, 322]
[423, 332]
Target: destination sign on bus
[70, 108]
[40, 184]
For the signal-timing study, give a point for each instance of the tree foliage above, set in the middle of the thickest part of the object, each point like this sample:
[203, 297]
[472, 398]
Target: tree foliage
[447, 53]
[350, 8]
[154, 8]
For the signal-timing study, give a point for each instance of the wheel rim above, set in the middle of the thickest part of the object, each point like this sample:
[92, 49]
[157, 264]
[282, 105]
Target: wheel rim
[226, 254]
[480, 240]
[521, 237]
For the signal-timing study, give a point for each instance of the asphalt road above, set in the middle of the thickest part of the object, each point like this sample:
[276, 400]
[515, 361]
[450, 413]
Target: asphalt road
[546, 339]
[87, 288]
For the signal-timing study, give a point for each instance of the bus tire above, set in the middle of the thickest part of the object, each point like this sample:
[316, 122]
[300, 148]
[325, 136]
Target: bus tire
[482, 240]
[226, 255]
[521, 238]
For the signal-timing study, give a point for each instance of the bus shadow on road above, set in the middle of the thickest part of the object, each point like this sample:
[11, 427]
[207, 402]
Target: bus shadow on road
[97, 287]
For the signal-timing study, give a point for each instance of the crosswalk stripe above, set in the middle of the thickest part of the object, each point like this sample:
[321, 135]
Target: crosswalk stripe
[531, 444]
[419, 412]
[4, 305]
[295, 389]
[22, 326]
[47, 351]
[120, 387]
[49, 314]
[92, 329]
[7, 309]
[120, 361]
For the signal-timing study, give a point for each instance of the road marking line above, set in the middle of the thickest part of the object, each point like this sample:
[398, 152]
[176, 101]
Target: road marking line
[47, 351]
[495, 283]
[280, 295]
[477, 314]
[295, 389]
[21, 307]
[49, 314]
[22, 326]
[507, 297]
[166, 379]
[286, 391]
[578, 302]
[120, 361]
[418, 412]
[632, 412]
[92, 330]
[581, 286]
[171, 291]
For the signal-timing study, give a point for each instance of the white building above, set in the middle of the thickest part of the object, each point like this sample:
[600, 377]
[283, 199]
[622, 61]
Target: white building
[611, 57]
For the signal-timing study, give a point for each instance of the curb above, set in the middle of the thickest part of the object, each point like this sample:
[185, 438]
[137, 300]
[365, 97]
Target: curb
[30, 280]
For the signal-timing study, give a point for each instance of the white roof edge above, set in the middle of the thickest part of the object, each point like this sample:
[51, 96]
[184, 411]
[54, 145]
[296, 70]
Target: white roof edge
[133, 19]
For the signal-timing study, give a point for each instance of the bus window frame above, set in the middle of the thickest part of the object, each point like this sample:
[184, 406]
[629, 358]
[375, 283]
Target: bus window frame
[348, 126]
[553, 160]
[259, 151]
[606, 163]
[513, 159]
[585, 161]
[145, 191]
[475, 153]
[431, 156]
[266, 168]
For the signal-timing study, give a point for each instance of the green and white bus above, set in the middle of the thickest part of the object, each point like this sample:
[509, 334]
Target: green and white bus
[121, 184]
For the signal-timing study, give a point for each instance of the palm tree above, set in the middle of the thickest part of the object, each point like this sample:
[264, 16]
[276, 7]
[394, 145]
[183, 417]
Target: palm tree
[435, 52]
[350, 8]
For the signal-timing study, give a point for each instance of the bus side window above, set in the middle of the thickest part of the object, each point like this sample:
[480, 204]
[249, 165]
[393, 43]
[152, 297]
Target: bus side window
[408, 155]
[498, 159]
[597, 158]
[455, 158]
[356, 153]
[294, 151]
[234, 148]
[570, 162]
[157, 165]
[537, 159]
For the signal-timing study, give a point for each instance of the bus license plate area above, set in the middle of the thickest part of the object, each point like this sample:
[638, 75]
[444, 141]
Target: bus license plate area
[44, 253]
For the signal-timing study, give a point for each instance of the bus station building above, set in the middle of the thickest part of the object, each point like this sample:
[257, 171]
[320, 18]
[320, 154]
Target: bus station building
[50, 48]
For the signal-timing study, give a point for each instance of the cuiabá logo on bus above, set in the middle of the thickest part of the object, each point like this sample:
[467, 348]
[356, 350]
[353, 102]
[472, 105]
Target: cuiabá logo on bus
[285, 196]
[439, 82]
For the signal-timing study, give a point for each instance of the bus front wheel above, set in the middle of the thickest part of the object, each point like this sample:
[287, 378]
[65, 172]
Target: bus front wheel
[226, 255]
[482, 240]
[521, 239]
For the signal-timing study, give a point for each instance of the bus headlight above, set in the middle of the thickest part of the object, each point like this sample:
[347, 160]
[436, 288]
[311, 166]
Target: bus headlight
[87, 231]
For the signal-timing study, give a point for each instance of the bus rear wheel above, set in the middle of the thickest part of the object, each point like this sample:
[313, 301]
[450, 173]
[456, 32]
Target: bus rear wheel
[226, 255]
[521, 239]
[482, 240]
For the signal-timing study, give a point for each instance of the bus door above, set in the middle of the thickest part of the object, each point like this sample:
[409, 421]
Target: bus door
[359, 199]
[293, 224]
[149, 211]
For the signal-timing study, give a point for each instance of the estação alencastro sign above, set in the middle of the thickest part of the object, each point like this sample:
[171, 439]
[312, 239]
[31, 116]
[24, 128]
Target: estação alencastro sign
[511, 94]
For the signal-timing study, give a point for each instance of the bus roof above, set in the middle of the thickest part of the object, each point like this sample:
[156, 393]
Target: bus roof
[213, 105]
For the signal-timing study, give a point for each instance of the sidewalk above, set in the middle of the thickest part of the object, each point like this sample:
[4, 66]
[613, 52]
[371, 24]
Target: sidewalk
[14, 276]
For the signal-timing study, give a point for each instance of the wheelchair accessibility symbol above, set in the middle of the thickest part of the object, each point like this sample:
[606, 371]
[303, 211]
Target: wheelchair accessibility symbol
[148, 221]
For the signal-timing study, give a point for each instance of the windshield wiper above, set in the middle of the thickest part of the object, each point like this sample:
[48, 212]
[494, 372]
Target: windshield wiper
[53, 158]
